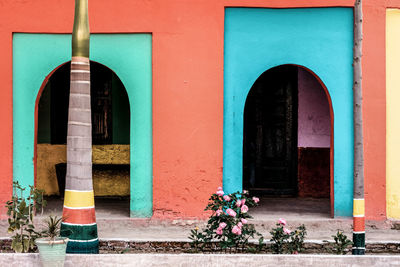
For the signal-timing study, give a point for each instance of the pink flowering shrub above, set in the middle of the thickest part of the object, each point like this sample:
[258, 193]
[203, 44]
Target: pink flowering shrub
[286, 241]
[228, 226]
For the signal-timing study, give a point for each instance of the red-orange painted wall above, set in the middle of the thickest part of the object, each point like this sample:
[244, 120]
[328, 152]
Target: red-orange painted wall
[188, 88]
[374, 109]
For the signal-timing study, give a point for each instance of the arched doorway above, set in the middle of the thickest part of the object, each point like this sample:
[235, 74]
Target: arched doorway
[287, 139]
[31, 71]
[110, 136]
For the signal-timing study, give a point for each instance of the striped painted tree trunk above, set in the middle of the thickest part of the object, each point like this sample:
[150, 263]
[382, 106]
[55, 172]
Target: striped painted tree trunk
[79, 219]
[358, 199]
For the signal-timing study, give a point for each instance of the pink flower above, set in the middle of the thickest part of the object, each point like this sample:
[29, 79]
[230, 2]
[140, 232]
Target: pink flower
[282, 221]
[222, 225]
[220, 193]
[245, 192]
[287, 231]
[244, 221]
[218, 212]
[227, 198]
[244, 209]
[256, 199]
[295, 252]
[219, 189]
[243, 201]
[236, 230]
[240, 225]
[238, 203]
[219, 231]
[231, 212]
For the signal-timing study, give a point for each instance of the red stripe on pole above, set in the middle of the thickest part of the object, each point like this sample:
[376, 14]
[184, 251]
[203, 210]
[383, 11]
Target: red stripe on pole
[79, 216]
[359, 224]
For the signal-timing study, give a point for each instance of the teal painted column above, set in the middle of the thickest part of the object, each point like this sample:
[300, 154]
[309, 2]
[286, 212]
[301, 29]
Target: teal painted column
[131, 61]
[320, 39]
[36, 55]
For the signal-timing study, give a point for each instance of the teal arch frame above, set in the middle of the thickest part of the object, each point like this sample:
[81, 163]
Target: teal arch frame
[321, 40]
[35, 56]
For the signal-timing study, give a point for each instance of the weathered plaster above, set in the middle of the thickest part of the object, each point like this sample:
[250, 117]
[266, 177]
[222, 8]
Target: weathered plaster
[188, 80]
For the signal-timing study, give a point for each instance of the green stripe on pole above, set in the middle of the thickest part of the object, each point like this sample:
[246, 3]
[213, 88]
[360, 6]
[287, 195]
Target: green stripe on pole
[91, 247]
[79, 232]
[358, 251]
[358, 244]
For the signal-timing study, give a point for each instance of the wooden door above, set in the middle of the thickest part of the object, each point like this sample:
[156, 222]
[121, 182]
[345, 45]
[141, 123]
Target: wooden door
[270, 133]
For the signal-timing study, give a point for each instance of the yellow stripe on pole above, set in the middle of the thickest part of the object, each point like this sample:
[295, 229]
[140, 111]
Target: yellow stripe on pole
[77, 199]
[358, 207]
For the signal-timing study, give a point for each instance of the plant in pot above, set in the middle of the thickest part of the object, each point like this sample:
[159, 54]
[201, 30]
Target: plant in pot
[52, 247]
[21, 210]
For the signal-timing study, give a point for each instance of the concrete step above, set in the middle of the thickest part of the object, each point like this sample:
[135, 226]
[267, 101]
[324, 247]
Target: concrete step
[27, 260]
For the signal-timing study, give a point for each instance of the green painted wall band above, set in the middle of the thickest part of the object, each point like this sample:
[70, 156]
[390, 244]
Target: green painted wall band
[91, 247]
[36, 55]
[79, 232]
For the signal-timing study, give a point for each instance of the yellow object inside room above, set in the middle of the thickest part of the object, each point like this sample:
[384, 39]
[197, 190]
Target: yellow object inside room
[105, 183]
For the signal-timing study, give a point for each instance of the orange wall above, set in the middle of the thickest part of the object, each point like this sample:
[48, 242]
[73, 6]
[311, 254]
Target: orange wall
[374, 109]
[6, 120]
[188, 88]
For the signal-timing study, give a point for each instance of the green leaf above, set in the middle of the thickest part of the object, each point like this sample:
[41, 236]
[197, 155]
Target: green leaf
[26, 245]
[17, 246]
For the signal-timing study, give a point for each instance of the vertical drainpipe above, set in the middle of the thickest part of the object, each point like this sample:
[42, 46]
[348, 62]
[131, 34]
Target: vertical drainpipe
[79, 219]
[358, 198]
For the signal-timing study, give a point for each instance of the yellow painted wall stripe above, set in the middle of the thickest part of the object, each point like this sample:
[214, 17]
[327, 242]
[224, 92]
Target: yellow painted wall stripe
[76, 199]
[358, 207]
[392, 113]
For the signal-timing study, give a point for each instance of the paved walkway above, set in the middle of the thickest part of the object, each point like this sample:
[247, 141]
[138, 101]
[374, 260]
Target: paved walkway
[114, 223]
[190, 260]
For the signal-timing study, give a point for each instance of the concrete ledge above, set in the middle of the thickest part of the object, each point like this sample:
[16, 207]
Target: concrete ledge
[11, 259]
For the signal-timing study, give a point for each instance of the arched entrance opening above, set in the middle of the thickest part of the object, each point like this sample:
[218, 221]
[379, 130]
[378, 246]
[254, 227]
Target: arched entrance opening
[288, 141]
[110, 138]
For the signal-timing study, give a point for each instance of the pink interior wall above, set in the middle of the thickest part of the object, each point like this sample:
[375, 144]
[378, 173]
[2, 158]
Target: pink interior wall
[314, 125]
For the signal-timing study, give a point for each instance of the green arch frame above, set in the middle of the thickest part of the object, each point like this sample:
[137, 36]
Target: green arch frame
[37, 55]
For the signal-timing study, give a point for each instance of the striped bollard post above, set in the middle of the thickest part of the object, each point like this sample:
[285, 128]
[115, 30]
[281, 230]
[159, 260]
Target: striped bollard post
[358, 227]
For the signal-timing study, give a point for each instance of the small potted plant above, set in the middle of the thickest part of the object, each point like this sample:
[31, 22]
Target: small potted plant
[52, 247]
